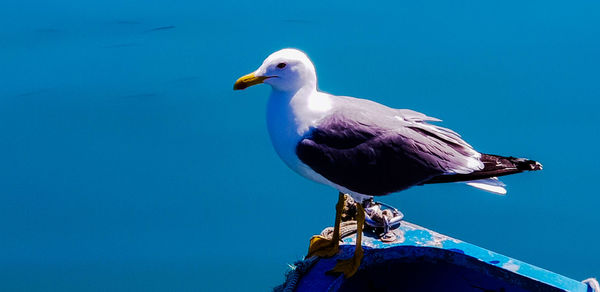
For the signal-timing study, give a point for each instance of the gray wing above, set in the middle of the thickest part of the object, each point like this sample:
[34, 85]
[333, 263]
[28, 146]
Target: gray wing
[375, 150]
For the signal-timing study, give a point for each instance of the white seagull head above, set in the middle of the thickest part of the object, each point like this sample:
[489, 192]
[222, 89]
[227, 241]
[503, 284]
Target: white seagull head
[285, 70]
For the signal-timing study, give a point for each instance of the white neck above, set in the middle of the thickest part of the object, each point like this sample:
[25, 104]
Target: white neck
[302, 108]
[290, 115]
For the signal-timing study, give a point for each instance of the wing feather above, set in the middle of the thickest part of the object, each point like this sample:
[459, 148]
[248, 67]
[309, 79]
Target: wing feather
[372, 149]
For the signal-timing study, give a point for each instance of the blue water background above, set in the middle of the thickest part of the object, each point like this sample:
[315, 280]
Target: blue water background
[128, 163]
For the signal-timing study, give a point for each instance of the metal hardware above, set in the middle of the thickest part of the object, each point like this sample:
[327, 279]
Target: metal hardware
[382, 217]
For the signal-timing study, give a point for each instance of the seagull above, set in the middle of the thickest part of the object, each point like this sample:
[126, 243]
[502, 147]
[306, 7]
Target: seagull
[363, 148]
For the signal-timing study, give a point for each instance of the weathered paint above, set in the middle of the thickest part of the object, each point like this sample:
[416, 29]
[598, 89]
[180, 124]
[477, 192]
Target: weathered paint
[416, 242]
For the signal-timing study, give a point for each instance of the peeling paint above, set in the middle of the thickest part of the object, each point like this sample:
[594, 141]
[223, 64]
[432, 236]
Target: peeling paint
[511, 266]
[409, 234]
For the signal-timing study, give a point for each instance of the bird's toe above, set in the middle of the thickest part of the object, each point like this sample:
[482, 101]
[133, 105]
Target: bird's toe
[322, 247]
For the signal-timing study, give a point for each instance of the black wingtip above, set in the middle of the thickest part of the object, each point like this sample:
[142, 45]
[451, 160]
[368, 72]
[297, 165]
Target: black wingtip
[526, 164]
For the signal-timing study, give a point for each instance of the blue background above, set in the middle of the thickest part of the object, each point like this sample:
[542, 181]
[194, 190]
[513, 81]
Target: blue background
[128, 163]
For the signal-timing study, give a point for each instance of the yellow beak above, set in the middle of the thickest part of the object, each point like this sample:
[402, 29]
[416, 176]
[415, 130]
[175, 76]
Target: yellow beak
[248, 80]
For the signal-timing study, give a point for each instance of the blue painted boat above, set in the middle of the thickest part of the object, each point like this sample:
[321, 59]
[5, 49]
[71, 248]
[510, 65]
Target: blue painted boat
[423, 260]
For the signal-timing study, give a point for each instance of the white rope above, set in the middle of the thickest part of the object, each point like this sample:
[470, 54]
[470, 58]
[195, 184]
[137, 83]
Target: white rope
[593, 283]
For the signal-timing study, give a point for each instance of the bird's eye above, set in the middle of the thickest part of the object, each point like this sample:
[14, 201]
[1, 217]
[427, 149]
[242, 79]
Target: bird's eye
[281, 65]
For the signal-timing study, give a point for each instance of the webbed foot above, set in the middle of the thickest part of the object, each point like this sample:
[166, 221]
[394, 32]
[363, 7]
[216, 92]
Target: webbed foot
[350, 266]
[323, 247]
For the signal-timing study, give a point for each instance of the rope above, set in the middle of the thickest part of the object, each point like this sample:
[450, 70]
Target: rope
[299, 268]
[296, 271]
[347, 227]
[592, 283]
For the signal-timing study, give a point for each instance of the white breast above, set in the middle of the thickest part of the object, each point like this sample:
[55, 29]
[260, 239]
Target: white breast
[288, 119]
[281, 123]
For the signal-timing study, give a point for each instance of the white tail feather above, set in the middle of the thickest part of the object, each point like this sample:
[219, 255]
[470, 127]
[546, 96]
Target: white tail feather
[492, 185]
